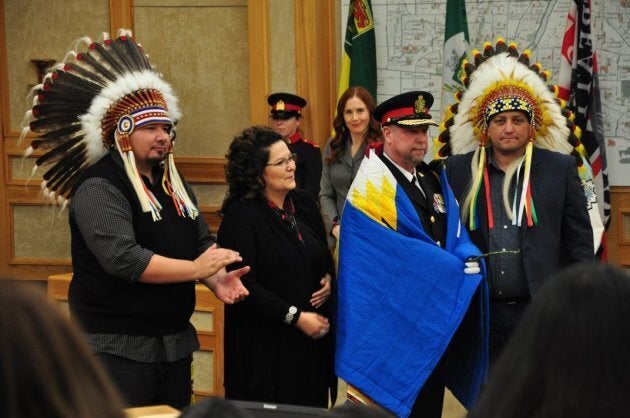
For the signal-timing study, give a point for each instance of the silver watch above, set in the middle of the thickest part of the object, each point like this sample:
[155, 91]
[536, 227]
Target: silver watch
[288, 318]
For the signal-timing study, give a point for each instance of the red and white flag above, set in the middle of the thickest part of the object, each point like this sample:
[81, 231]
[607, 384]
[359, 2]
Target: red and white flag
[579, 86]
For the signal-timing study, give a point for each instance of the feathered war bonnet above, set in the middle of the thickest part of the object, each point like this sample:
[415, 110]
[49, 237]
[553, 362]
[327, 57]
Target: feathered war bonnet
[502, 80]
[95, 100]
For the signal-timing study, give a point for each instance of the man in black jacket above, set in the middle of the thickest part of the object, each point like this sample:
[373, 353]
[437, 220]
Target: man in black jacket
[519, 190]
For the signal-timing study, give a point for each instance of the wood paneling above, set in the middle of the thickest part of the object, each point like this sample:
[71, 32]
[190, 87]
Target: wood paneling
[212, 340]
[207, 170]
[120, 15]
[259, 65]
[4, 127]
[618, 238]
[315, 57]
[4, 78]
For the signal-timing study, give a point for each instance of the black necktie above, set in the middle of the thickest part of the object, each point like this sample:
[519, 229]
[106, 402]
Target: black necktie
[416, 183]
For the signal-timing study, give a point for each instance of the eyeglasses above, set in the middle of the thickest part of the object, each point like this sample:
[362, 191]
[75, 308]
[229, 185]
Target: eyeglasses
[285, 161]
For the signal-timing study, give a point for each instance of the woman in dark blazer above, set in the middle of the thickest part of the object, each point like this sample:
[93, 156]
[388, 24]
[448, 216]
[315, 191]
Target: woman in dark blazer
[277, 343]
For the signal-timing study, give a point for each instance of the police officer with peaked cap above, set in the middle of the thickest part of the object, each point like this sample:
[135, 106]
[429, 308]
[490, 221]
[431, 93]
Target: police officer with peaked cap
[285, 118]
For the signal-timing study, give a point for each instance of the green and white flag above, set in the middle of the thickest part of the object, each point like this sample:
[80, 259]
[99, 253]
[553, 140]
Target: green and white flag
[358, 63]
[456, 48]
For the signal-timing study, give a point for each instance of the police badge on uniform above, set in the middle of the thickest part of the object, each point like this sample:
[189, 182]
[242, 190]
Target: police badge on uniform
[438, 203]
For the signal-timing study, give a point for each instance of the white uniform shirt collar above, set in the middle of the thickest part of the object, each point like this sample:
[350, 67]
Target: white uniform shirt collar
[407, 174]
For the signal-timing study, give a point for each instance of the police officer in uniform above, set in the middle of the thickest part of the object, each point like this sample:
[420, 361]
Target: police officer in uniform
[285, 118]
[405, 122]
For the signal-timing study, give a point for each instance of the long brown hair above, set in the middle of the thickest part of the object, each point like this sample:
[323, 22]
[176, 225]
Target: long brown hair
[46, 367]
[373, 133]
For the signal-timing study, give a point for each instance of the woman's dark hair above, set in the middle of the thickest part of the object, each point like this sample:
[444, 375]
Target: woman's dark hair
[46, 367]
[373, 134]
[568, 356]
[246, 159]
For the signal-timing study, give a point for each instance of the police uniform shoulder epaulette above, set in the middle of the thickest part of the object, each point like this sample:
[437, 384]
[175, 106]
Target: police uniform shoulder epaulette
[315, 144]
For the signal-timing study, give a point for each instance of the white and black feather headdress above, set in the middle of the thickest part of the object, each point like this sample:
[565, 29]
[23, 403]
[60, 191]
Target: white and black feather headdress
[500, 79]
[93, 101]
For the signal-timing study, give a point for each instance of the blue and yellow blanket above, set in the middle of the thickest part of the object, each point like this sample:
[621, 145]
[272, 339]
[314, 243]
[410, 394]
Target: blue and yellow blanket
[402, 297]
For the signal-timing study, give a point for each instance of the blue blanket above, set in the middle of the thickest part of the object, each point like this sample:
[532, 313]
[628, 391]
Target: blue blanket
[402, 297]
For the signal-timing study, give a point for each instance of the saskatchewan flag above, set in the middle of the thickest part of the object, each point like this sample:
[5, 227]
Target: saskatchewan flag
[456, 47]
[358, 63]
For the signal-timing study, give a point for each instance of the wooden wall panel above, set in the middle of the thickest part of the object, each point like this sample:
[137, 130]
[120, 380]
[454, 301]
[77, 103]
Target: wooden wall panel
[120, 15]
[211, 341]
[39, 29]
[209, 170]
[315, 49]
[34, 239]
[50, 227]
[618, 235]
[259, 60]
[4, 118]
[282, 46]
[202, 51]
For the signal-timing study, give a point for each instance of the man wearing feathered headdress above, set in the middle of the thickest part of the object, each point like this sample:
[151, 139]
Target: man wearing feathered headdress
[106, 119]
[517, 183]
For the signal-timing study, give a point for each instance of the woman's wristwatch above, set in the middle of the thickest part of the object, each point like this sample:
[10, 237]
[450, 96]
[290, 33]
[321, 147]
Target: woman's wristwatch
[292, 316]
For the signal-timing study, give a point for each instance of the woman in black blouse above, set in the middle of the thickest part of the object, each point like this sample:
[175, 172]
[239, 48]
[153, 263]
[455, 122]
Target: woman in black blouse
[277, 342]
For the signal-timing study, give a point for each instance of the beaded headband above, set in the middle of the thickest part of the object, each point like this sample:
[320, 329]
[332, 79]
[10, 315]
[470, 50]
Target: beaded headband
[500, 80]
